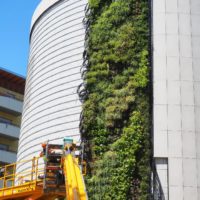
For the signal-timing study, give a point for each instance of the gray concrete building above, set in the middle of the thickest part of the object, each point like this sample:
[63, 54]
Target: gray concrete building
[176, 83]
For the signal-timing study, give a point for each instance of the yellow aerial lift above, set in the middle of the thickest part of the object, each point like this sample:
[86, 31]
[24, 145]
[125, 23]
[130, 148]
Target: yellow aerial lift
[56, 174]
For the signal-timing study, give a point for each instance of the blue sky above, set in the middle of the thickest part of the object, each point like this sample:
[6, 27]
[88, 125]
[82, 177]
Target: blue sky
[15, 19]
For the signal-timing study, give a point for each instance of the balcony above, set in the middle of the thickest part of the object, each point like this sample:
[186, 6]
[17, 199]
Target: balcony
[9, 130]
[11, 105]
[7, 156]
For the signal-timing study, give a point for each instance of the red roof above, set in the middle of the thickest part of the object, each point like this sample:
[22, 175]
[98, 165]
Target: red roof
[12, 81]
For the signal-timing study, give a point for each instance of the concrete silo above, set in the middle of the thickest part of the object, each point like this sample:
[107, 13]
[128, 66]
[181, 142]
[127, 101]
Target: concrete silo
[52, 107]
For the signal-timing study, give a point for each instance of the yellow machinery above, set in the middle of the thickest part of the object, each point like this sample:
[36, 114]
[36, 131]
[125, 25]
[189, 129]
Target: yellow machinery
[56, 174]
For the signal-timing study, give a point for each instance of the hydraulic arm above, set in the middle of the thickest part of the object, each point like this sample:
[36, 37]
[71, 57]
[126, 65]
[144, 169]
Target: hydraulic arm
[75, 188]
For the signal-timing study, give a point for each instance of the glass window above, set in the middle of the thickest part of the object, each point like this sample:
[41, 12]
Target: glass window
[8, 94]
[4, 120]
[4, 147]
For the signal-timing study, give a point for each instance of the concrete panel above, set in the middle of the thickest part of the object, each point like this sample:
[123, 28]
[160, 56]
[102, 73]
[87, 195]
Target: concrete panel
[160, 20]
[174, 144]
[160, 93]
[196, 68]
[172, 45]
[184, 24]
[184, 6]
[196, 46]
[197, 119]
[198, 177]
[188, 118]
[160, 118]
[173, 92]
[197, 93]
[173, 69]
[160, 68]
[195, 6]
[189, 145]
[160, 45]
[185, 46]
[172, 23]
[186, 69]
[171, 5]
[175, 172]
[175, 193]
[198, 149]
[187, 93]
[174, 118]
[159, 6]
[195, 25]
[189, 172]
[190, 193]
[161, 144]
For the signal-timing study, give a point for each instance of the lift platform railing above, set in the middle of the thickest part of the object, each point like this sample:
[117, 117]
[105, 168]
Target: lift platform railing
[43, 177]
[10, 177]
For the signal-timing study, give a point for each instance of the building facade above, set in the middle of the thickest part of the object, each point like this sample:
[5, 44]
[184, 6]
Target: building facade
[11, 101]
[51, 105]
[52, 108]
[176, 81]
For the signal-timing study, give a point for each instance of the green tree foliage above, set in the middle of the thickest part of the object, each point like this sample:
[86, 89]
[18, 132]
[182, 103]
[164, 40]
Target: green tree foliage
[116, 117]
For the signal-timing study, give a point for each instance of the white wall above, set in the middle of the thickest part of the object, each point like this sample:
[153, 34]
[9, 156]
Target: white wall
[42, 7]
[51, 105]
[176, 41]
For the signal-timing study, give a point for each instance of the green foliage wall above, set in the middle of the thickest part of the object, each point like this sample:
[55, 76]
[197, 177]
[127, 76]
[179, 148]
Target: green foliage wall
[116, 114]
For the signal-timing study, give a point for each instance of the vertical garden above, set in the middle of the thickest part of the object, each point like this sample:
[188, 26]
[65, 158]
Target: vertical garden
[116, 117]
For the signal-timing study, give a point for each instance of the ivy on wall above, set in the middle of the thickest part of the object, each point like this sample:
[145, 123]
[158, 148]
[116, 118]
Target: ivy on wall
[116, 115]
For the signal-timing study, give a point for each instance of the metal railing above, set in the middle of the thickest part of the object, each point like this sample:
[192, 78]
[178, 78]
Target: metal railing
[10, 177]
[11, 96]
[9, 129]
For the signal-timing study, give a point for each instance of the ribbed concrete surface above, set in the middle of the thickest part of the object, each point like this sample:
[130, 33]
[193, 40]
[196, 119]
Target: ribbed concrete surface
[51, 105]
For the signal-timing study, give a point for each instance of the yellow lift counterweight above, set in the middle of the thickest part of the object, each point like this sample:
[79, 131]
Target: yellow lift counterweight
[56, 174]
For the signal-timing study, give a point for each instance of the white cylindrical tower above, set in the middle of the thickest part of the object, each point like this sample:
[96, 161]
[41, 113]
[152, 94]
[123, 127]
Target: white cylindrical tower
[51, 105]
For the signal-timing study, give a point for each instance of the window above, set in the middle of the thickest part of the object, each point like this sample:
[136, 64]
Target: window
[4, 147]
[8, 94]
[4, 120]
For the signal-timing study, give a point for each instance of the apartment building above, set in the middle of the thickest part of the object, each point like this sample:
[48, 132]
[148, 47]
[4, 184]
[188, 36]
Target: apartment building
[11, 103]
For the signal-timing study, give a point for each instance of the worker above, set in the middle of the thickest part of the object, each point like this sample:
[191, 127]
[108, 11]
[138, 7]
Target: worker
[69, 148]
[2, 171]
[60, 180]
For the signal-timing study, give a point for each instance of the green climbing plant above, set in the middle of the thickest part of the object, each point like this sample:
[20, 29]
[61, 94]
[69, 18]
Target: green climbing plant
[116, 109]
